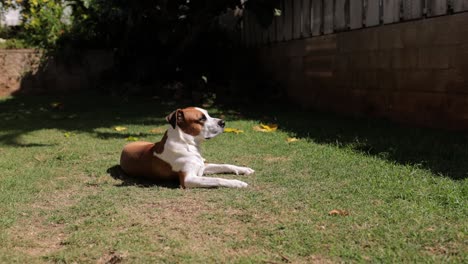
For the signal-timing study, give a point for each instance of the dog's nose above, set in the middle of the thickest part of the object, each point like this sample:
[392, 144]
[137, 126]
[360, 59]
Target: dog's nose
[221, 123]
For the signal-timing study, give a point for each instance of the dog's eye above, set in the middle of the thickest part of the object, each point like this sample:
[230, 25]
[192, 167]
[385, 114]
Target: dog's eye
[202, 119]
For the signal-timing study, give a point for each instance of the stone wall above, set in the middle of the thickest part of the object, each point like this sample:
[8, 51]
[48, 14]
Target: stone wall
[27, 71]
[415, 72]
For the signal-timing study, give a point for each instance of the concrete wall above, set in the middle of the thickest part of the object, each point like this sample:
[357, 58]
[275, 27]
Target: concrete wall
[28, 71]
[415, 72]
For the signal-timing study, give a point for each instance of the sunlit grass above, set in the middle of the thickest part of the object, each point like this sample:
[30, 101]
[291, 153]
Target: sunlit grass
[58, 203]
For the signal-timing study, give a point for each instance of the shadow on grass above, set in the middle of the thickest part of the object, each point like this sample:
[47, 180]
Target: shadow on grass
[89, 114]
[117, 173]
[444, 153]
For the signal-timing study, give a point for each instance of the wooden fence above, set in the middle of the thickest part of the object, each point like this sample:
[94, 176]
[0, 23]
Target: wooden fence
[307, 18]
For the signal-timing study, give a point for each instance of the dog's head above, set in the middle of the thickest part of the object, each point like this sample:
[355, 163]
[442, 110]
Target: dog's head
[196, 122]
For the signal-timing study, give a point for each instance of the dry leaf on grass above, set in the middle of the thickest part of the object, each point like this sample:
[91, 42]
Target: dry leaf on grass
[57, 105]
[130, 138]
[40, 158]
[338, 212]
[158, 130]
[293, 139]
[120, 128]
[266, 128]
[233, 130]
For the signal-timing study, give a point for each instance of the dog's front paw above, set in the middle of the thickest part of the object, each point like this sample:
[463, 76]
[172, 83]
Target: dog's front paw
[244, 170]
[236, 184]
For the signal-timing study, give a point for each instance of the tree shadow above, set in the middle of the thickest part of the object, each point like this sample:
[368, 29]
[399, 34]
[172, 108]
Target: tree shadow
[88, 113]
[443, 152]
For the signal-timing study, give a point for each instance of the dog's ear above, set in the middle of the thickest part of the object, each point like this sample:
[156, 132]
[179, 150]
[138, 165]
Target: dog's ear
[171, 118]
[175, 117]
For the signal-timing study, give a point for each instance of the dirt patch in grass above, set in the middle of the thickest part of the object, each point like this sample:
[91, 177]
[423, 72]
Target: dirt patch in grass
[35, 237]
[273, 159]
[318, 260]
[194, 223]
[34, 233]
[112, 257]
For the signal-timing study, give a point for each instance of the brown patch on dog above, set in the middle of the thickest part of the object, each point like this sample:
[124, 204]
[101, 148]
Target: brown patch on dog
[189, 120]
[138, 160]
[159, 146]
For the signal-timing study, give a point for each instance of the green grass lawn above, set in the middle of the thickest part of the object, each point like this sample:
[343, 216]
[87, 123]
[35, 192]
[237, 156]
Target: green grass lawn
[403, 190]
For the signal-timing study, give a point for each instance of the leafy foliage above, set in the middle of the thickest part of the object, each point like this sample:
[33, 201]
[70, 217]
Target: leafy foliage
[153, 40]
[43, 22]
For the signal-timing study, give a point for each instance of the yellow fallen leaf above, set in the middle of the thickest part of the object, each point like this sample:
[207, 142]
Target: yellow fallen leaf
[158, 130]
[120, 128]
[338, 212]
[266, 128]
[233, 130]
[293, 139]
[68, 134]
[130, 138]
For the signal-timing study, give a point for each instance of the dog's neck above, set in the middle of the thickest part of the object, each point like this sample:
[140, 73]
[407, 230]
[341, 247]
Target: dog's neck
[177, 136]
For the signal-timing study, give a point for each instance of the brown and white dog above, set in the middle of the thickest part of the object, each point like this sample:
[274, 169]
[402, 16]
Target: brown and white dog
[177, 156]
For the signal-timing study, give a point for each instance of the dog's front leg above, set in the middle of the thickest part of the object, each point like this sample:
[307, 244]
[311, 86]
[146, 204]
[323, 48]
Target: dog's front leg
[211, 168]
[193, 181]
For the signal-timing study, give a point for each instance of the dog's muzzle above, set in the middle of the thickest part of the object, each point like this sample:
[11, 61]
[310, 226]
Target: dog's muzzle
[216, 130]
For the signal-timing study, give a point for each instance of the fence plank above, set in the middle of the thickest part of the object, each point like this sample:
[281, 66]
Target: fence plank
[412, 9]
[306, 18]
[372, 11]
[460, 5]
[327, 16]
[288, 19]
[265, 34]
[280, 24]
[355, 14]
[316, 17]
[391, 11]
[437, 7]
[272, 30]
[341, 15]
[256, 31]
[297, 18]
[248, 25]
[243, 24]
